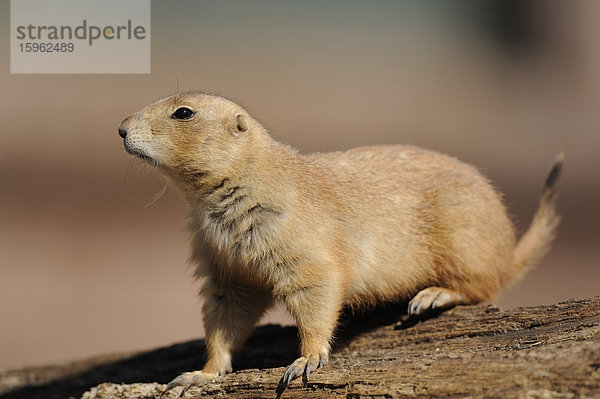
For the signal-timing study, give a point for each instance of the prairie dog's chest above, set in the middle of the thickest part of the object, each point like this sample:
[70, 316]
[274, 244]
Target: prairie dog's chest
[236, 231]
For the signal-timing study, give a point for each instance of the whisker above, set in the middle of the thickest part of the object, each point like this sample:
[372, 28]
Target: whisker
[127, 169]
[157, 196]
[176, 81]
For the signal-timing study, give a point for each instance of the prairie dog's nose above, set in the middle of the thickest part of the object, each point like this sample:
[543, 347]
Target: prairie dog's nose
[123, 127]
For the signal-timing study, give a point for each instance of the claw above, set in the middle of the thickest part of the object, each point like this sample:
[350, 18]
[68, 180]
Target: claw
[283, 384]
[312, 364]
[434, 303]
[187, 380]
[175, 383]
[418, 309]
[294, 371]
[323, 359]
[306, 374]
[187, 386]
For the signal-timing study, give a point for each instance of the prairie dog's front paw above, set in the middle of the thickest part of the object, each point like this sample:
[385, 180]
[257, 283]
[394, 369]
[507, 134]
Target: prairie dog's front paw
[186, 380]
[303, 366]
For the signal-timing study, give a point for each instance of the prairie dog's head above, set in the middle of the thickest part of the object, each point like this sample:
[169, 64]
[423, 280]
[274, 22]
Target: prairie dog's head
[189, 135]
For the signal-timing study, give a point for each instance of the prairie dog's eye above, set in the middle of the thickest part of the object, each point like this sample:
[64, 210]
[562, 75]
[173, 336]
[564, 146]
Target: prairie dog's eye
[182, 113]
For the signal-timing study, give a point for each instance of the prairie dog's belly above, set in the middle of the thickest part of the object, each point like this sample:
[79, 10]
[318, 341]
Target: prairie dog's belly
[393, 262]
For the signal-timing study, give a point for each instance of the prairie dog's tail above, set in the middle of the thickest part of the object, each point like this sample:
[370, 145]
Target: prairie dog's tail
[535, 243]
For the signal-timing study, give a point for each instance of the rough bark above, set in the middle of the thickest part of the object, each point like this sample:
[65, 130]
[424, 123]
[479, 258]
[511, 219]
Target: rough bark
[470, 351]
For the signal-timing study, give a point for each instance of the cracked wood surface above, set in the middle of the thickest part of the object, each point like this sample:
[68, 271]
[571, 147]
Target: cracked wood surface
[470, 351]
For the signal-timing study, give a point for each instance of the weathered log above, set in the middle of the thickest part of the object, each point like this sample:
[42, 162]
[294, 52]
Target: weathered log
[470, 351]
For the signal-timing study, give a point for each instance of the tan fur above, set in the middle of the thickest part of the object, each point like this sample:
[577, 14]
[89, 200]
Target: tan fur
[321, 231]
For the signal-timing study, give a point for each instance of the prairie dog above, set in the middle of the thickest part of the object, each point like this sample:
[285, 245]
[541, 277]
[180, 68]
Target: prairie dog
[322, 231]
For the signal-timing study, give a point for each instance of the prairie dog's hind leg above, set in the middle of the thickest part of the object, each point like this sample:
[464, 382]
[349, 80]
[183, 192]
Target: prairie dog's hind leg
[230, 313]
[435, 298]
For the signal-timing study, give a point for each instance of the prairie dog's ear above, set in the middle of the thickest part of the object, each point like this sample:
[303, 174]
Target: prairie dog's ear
[241, 124]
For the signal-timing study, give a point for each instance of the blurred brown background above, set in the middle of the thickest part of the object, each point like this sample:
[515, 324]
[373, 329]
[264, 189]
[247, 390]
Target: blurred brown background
[85, 268]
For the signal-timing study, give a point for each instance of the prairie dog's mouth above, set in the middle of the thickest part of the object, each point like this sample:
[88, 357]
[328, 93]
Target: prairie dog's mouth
[140, 155]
